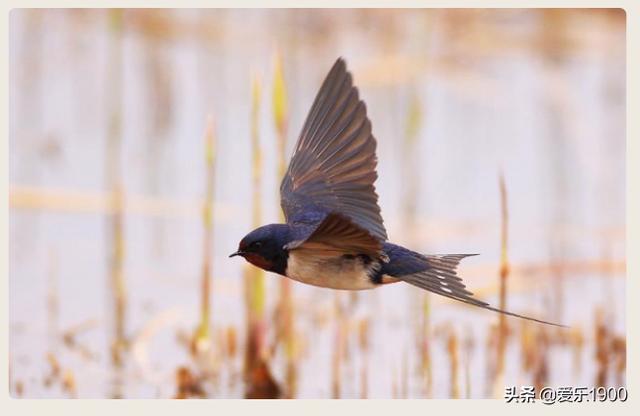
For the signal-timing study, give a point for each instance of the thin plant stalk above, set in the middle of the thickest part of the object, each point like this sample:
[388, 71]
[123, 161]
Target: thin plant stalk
[425, 350]
[452, 348]
[504, 274]
[253, 276]
[541, 368]
[555, 43]
[202, 336]
[410, 202]
[577, 345]
[280, 112]
[602, 348]
[113, 168]
[338, 348]
[364, 347]
[468, 349]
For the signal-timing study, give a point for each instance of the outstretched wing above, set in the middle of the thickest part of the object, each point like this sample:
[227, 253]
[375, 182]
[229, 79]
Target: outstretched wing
[333, 168]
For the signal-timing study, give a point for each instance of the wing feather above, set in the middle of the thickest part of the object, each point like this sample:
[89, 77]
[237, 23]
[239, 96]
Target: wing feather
[333, 168]
[337, 235]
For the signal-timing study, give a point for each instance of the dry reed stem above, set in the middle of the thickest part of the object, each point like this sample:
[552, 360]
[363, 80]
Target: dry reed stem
[619, 349]
[285, 304]
[541, 360]
[452, 349]
[602, 349]
[504, 274]
[54, 370]
[113, 168]
[257, 300]
[58, 374]
[201, 339]
[259, 380]
[70, 341]
[577, 344]
[339, 348]
[413, 125]
[553, 45]
[280, 112]
[425, 348]
[468, 346]
[410, 166]
[363, 341]
[69, 383]
[232, 342]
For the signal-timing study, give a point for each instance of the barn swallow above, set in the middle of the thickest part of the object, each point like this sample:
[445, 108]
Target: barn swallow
[334, 236]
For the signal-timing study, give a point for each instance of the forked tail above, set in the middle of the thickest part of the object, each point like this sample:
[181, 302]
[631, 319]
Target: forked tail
[437, 274]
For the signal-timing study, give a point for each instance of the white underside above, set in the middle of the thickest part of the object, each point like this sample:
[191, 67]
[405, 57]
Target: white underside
[334, 273]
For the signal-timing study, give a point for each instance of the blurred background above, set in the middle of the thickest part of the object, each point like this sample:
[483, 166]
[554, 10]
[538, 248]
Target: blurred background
[144, 144]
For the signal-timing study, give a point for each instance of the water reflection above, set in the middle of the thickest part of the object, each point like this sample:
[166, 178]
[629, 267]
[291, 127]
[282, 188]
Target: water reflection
[109, 178]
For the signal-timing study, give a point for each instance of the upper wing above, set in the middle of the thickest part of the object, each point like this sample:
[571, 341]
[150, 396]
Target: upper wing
[333, 168]
[337, 235]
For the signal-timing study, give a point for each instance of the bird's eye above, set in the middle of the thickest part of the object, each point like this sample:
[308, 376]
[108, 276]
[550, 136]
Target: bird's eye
[257, 244]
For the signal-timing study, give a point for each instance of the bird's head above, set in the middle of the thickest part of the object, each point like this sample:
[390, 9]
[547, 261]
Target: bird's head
[263, 247]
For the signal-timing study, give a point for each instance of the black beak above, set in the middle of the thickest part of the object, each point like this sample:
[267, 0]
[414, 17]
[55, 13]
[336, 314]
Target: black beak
[237, 253]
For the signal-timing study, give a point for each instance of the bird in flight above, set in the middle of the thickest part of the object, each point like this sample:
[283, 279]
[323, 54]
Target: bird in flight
[334, 236]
